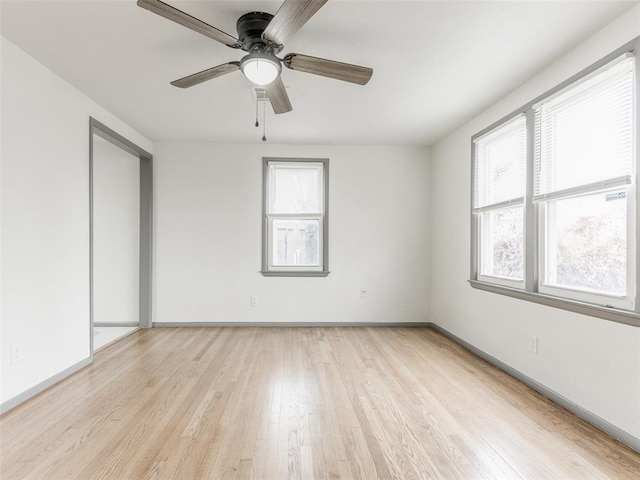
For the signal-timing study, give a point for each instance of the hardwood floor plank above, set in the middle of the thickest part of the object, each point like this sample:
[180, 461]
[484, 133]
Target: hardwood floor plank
[299, 403]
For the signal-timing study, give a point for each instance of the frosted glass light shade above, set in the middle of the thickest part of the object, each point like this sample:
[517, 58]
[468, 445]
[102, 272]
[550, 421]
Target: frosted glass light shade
[259, 69]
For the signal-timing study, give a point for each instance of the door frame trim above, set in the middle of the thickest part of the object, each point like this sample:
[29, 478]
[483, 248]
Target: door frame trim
[146, 220]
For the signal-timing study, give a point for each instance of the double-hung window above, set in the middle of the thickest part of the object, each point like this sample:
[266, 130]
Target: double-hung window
[499, 191]
[295, 224]
[555, 209]
[584, 188]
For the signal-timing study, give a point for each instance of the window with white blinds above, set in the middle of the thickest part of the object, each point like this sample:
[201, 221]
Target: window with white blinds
[295, 188]
[498, 198]
[554, 199]
[583, 168]
[583, 136]
[295, 216]
[500, 156]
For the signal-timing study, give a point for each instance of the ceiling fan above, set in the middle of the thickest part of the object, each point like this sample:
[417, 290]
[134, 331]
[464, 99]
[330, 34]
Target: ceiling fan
[262, 36]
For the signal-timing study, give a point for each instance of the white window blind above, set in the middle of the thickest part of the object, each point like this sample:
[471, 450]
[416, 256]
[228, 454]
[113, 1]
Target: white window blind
[500, 158]
[583, 136]
[295, 188]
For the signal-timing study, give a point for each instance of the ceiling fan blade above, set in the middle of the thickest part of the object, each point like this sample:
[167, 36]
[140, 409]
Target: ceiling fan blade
[291, 15]
[278, 96]
[178, 16]
[328, 68]
[208, 74]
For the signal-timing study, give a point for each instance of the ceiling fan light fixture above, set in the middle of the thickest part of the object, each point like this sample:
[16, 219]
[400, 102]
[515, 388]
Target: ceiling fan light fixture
[260, 68]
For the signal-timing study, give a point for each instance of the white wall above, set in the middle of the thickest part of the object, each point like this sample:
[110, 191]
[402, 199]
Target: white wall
[116, 234]
[44, 220]
[208, 203]
[592, 362]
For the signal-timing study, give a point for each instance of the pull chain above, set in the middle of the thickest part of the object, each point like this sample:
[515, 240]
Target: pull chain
[257, 124]
[264, 122]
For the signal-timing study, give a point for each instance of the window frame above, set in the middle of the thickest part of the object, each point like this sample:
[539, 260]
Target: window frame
[482, 212]
[483, 235]
[533, 289]
[268, 268]
[623, 302]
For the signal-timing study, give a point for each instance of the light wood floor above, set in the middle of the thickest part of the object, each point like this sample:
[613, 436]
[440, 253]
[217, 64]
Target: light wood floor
[307, 403]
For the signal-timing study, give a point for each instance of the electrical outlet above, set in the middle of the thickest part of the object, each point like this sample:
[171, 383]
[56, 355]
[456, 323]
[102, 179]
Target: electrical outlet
[533, 344]
[253, 301]
[363, 292]
[15, 352]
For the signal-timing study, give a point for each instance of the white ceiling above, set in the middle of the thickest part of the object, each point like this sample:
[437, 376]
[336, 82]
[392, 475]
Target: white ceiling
[436, 64]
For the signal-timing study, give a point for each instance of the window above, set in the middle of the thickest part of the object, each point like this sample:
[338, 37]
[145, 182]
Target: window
[555, 210]
[295, 227]
[499, 202]
[583, 165]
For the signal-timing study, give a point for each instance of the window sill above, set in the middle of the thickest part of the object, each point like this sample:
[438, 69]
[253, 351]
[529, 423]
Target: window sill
[606, 313]
[288, 273]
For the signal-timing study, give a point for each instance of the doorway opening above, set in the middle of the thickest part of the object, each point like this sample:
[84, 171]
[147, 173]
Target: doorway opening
[121, 197]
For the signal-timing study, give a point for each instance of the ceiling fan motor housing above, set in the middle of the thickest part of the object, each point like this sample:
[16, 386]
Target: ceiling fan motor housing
[250, 27]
